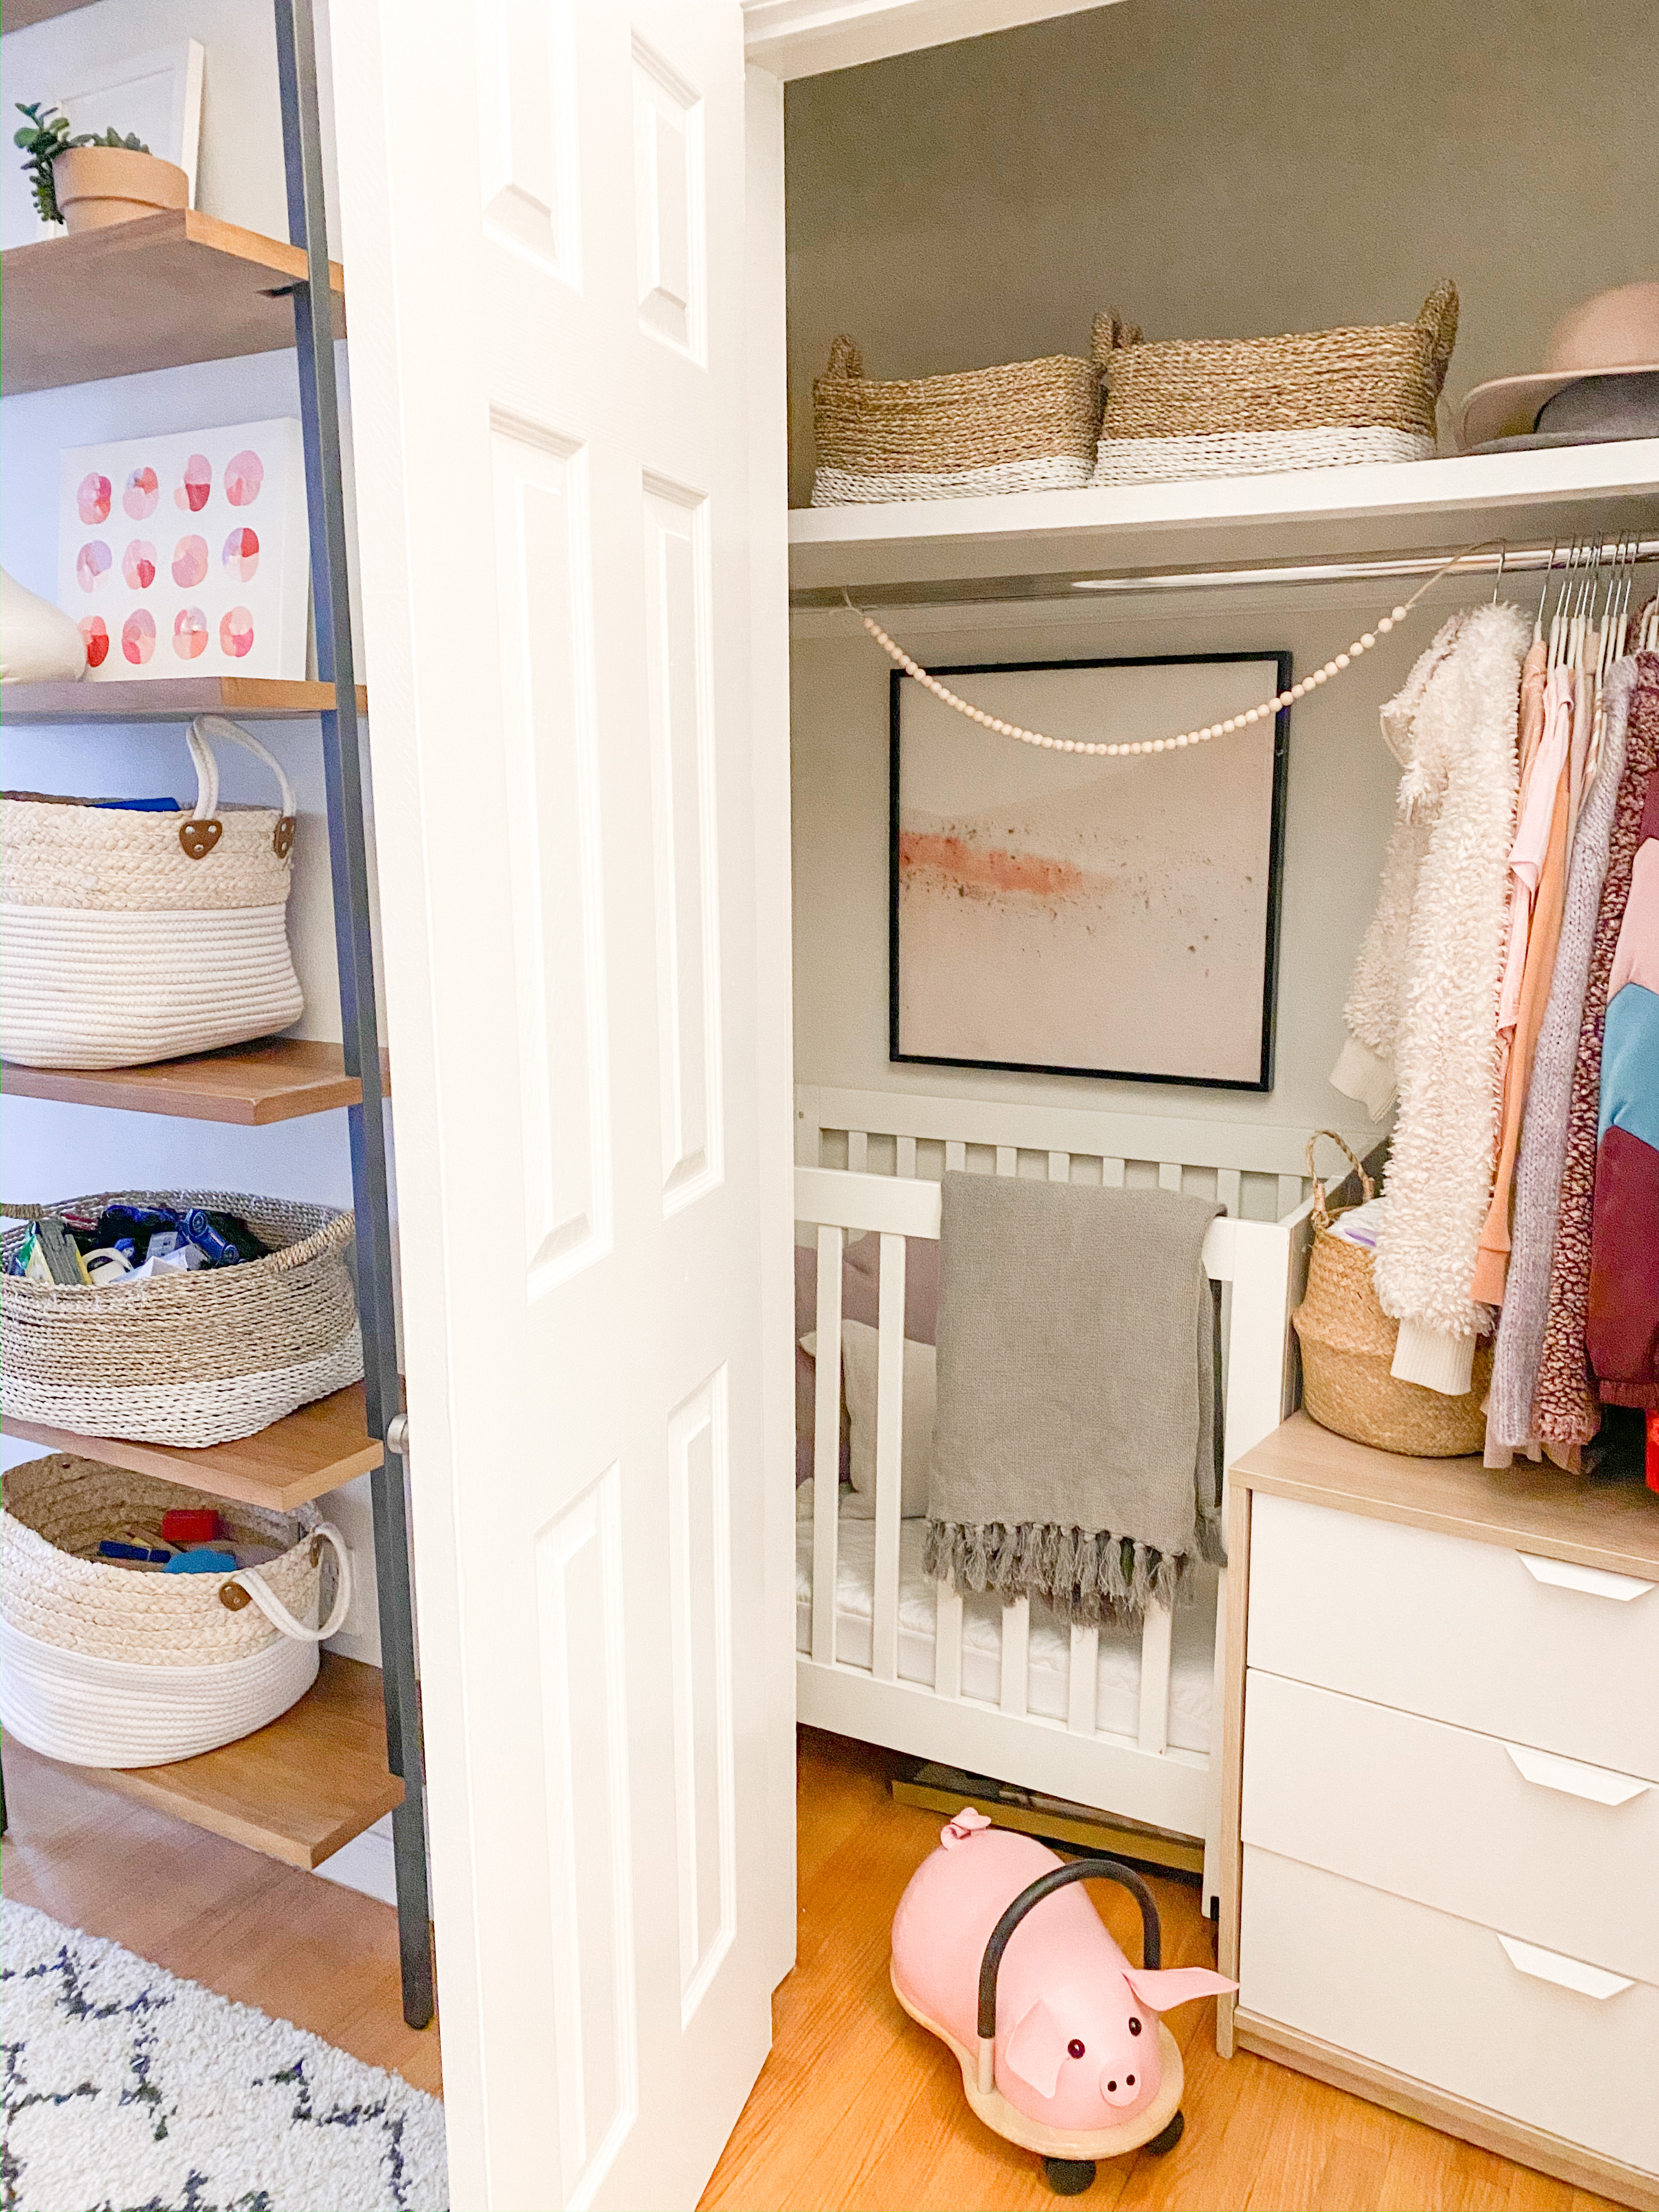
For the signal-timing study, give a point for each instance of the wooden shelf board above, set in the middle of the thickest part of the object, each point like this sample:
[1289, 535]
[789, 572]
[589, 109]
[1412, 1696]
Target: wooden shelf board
[170, 699]
[1383, 508]
[297, 1790]
[1613, 1526]
[276, 1079]
[295, 1460]
[169, 289]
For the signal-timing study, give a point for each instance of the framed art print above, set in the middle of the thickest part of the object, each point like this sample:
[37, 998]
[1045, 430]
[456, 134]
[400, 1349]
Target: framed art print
[1071, 914]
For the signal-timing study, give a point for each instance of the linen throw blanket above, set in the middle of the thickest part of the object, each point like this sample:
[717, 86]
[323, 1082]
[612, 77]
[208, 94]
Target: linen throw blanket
[1076, 1450]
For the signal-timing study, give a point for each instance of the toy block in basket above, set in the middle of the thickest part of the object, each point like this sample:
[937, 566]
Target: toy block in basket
[1225, 407]
[1029, 426]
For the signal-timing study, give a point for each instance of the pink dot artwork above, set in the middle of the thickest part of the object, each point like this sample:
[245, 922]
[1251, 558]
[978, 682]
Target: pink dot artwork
[242, 555]
[139, 636]
[92, 498]
[190, 561]
[192, 488]
[142, 494]
[95, 635]
[138, 564]
[244, 474]
[236, 633]
[190, 632]
[92, 564]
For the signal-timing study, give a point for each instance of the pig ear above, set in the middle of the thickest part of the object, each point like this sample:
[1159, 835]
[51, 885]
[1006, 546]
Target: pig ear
[1175, 1986]
[1036, 2049]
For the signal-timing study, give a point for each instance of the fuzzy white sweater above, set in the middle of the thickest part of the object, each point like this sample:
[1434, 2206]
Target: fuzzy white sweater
[1422, 1012]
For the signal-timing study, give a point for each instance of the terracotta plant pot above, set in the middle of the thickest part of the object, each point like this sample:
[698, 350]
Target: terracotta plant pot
[100, 184]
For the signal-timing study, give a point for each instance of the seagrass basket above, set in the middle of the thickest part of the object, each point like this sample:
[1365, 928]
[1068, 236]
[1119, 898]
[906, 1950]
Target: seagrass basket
[1347, 1349]
[1029, 426]
[1223, 407]
[185, 1358]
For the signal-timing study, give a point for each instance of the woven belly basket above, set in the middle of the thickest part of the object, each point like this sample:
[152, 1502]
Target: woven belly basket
[186, 1359]
[102, 1665]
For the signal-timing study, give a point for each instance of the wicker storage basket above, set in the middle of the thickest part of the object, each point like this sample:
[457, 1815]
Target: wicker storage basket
[127, 937]
[1030, 426]
[1347, 1348]
[1225, 407]
[107, 1666]
[186, 1359]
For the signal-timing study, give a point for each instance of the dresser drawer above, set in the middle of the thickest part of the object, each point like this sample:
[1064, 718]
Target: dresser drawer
[1443, 2001]
[1557, 1851]
[1475, 1634]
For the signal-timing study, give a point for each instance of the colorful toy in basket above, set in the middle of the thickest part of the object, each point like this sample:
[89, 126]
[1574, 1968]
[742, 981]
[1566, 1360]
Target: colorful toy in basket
[1000, 1954]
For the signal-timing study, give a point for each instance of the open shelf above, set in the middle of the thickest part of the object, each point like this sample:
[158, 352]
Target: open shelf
[292, 1461]
[170, 699]
[297, 1790]
[167, 289]
[276, 1079]
[1022, 540]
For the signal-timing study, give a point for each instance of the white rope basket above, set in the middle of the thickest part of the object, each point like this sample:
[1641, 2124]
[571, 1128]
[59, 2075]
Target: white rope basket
[186, 1358]
[102, 1665]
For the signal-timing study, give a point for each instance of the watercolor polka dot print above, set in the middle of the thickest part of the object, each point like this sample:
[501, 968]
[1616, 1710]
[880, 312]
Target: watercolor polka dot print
[143, 494]
[194, 486]
[190, 561]
[138, 565]
[139, 636]
[190, 632]
[92, 497]
[241, 553]
[95, 635]
[244, 472]
[236, 634]
[92, 564]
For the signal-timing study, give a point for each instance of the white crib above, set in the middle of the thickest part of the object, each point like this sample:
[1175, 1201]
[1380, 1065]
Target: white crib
[894, 1147]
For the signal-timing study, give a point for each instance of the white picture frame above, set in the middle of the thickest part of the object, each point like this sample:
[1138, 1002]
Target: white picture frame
[157, 94]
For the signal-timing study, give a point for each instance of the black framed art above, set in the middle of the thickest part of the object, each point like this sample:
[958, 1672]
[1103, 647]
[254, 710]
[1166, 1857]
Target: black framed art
[1070, 915]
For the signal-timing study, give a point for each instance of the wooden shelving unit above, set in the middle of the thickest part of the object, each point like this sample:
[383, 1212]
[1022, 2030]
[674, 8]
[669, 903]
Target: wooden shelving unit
[294, 1460]
[276, 1079]
[296, 1790]
[170, 699]
[168, 289]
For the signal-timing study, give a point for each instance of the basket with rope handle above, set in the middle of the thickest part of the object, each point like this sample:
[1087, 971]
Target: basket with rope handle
[1348, 1344]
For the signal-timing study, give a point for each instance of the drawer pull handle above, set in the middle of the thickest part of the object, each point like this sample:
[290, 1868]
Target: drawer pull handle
[1566, 1574]
[1551, 1771]
[1571, 1974]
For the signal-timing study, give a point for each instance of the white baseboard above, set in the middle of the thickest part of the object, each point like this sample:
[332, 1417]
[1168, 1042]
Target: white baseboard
[366, 1863]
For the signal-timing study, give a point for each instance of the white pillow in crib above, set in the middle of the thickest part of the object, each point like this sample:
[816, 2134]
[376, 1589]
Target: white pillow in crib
[858, 1342]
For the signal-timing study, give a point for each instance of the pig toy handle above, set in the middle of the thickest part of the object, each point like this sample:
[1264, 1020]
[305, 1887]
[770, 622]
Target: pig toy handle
[1151, 1942]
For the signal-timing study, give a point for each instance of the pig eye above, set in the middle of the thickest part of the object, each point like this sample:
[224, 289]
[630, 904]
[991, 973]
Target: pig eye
[1134, 2027]
[1075, 2048]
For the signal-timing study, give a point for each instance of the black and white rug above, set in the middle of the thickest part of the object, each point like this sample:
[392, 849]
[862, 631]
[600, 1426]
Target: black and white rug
[127, 2090]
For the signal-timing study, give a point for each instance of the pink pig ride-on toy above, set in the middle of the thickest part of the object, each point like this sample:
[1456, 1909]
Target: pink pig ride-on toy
[1058, 2036]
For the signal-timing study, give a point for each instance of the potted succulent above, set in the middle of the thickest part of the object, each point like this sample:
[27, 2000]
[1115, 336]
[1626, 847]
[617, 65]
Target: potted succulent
[89, 181]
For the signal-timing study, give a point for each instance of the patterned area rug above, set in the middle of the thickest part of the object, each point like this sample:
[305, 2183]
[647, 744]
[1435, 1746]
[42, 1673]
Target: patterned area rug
[127, 2090]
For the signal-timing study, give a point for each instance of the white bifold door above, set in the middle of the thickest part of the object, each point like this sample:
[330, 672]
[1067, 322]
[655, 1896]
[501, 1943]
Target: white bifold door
[544, 233]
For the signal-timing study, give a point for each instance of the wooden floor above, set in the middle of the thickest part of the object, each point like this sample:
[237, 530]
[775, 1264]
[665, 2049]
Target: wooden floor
[214, 1912]
[857, 2106]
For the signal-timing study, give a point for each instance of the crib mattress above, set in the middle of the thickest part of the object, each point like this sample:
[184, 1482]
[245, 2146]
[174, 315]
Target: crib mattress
[1117, 1708]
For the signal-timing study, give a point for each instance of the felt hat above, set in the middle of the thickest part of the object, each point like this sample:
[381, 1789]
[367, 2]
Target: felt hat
[1613, 335]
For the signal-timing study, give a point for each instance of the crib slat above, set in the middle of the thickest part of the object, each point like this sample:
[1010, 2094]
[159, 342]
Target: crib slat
[947, 1643]
[1015, 1653]
[1290, 1195]
[1007, 1159]
[1060, 1167]
[1155, 1636]
[956, 1156]
[906, 1157]
[1084, 1680]
[857, 1150]
[1229, 1189]
[1169, 1174]
[1111, 1175]
[890, 1443]
[826, 1447]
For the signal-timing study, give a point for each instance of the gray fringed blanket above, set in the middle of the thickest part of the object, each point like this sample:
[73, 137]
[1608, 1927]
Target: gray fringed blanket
[1076, 1452]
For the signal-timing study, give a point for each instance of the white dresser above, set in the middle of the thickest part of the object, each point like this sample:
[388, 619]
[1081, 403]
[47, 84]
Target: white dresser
[1440, 1845]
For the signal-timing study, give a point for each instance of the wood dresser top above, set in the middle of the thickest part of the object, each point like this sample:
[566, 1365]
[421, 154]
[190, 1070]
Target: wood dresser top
[1611, 1525]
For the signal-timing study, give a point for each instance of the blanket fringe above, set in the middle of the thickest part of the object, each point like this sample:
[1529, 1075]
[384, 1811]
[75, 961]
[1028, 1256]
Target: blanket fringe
[1084, 1578]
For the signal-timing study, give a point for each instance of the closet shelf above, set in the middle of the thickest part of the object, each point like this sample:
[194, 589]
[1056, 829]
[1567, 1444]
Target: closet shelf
[294, 1460]
[296, 1790]
[276, 1079]
[170, 699]
[1016, 545]
[168, 289]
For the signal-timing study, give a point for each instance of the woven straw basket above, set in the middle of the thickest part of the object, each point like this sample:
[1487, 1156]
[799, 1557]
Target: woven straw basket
[1188, 407]
[1030, 426]
[185, 1358]
[129, 936]
[107, 1666]
[1347, 1348]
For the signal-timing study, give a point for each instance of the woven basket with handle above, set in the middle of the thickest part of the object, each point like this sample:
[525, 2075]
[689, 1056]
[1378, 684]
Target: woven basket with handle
[1213, 407]
[1029, 426]
[1348, 1343]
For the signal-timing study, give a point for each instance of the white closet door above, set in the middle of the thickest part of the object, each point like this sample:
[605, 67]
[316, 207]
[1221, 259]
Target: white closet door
[544, 231]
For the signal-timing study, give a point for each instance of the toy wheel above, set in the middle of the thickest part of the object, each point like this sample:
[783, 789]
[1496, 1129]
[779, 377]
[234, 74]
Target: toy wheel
[1068, 2176]
[1168, 2137]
